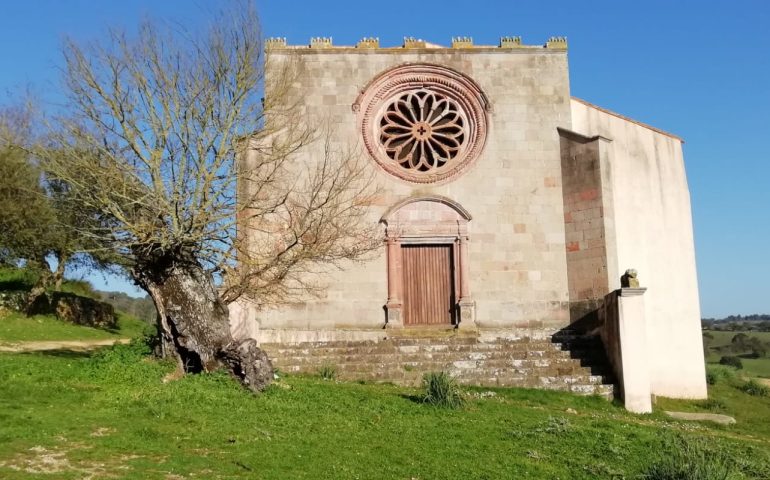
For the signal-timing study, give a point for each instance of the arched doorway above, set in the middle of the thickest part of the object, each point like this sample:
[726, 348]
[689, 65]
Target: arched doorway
[428, 284]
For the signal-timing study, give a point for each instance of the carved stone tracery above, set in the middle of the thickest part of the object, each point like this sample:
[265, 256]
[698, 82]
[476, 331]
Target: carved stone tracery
[423, 130]
[423, 123]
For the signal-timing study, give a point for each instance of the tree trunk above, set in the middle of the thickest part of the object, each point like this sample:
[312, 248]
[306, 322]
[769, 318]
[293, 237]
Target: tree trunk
[195, 328]
[58, 275]
[40, 287]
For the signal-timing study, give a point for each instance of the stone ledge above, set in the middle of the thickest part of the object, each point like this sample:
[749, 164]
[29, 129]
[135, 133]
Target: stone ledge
[708, 417]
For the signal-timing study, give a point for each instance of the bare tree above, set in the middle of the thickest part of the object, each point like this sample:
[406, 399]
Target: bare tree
[162, 130]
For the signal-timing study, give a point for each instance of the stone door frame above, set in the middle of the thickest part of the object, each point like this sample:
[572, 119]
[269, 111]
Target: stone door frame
[433, 226]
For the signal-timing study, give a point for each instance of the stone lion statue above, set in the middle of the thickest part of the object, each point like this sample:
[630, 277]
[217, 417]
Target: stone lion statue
[630, 279]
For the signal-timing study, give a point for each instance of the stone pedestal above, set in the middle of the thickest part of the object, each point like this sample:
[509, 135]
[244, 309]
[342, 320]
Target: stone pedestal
[394, 316]
[624, 334]
[466, 315]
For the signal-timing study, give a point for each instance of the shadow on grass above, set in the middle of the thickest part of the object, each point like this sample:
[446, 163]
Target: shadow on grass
[413, 398]
[61, 353]
[15, 284]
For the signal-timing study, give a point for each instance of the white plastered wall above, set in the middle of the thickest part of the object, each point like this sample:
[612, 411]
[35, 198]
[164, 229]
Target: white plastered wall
[654, 235]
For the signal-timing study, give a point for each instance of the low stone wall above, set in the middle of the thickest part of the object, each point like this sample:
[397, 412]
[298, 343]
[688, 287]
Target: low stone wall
[75, 309]
[13, 300]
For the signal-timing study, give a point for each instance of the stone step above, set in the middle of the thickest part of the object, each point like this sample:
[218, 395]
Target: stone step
[576, 384]
[389, 345]
[565, 343]
[522, 358]
[378, 357]
[368, 349]
[530, 378]
[459, 340]
[457, 369]
[575, 364]
[561, 366]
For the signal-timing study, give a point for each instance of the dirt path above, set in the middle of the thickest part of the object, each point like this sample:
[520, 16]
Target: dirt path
[74, 345]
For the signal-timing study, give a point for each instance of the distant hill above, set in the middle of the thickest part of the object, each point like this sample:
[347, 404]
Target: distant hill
[756, 322]
[141, 308]
[14, 278]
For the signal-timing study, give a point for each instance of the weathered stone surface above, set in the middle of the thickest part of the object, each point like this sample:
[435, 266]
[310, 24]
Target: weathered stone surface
[709, 417]
[75, 309]
[13, 300]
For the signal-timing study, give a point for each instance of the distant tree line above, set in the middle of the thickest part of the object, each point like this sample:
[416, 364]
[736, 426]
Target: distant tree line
[733, 323]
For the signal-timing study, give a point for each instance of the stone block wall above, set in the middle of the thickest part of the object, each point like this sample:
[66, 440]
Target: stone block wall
[518, 275]
[588, 221]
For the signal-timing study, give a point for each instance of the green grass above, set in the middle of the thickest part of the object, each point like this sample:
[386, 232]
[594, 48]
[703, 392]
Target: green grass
[16, 327]
[754, 367]
[16, 278]
[112, 416]
[752, 413]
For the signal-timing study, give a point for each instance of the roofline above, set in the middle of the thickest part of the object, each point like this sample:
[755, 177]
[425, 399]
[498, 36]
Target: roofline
[628, 119]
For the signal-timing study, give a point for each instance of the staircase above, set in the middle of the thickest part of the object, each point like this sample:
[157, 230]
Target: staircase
[567, 362]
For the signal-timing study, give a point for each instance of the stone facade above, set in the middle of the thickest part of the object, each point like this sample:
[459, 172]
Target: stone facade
[543, 198]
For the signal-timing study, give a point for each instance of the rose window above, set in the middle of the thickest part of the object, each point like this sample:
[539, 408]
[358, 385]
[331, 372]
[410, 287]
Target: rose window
[422, 130]
[423, 123]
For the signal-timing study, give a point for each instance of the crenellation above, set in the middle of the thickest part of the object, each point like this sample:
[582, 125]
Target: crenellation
[462, 42]
[275, 42]
[510, 42]
[321, 42]
[556, 43]
[411, 42]
[369, 42]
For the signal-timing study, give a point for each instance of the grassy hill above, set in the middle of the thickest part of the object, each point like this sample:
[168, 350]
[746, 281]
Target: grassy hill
[23, 279]
[756, 367]
[112, 416]
[16, 327]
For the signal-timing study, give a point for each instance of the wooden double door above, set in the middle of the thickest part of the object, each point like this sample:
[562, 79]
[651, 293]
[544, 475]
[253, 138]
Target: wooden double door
[429, 284]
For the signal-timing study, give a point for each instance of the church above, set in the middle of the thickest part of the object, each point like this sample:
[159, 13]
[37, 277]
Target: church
[517, 222]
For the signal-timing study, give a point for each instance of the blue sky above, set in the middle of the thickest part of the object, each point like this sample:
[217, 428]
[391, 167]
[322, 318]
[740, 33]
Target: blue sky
[699, 69]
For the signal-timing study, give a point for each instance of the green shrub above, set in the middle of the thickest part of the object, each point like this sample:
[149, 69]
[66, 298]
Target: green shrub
[133, 351]
[752, 387]
[441, 390]
[687, 459]
[731, 361]
[720, 373]
[126, 363]
[328, 372]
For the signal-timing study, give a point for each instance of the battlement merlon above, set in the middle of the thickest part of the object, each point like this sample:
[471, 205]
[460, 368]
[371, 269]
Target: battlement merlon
[372, 44]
